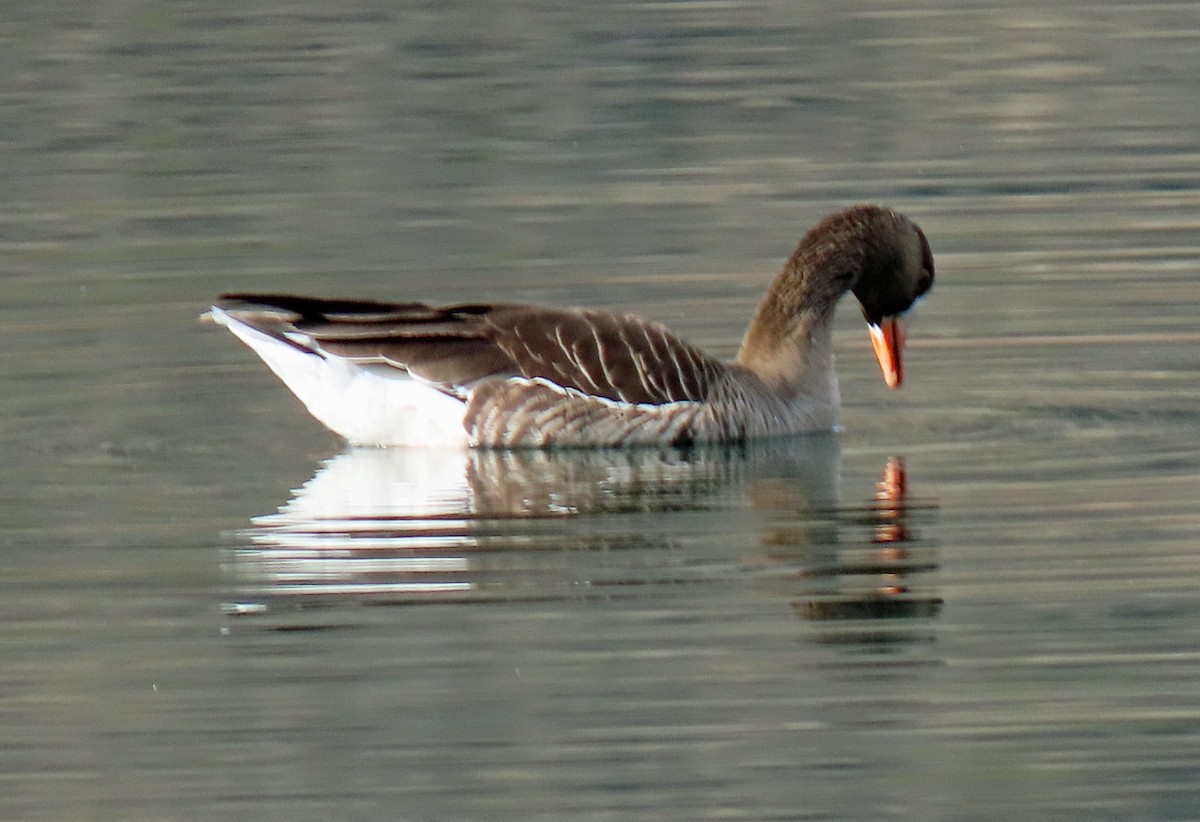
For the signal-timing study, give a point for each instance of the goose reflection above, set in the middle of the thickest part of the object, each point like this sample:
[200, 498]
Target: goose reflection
[403, 526]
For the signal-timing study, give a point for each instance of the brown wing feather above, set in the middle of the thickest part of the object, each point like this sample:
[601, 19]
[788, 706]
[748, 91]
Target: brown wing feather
[598, 353]
[602, 354]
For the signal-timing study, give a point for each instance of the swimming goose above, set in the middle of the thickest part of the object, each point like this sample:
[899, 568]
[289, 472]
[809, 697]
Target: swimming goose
[504, 375]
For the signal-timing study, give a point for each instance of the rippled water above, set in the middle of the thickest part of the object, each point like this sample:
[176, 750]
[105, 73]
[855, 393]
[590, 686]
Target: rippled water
[978, 601]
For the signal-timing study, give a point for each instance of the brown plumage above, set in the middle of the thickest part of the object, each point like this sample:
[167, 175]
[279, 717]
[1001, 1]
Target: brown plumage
[530, 375]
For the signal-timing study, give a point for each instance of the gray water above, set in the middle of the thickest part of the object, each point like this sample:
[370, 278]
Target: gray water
[980, 600]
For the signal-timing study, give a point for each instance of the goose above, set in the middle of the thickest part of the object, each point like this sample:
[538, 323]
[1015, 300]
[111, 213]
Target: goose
[511, 375]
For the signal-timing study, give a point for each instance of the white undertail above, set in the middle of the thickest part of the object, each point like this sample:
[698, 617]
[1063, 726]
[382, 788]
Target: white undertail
[366, 406]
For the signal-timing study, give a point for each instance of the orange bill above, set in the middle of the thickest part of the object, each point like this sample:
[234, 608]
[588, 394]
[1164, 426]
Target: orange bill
[888, 340]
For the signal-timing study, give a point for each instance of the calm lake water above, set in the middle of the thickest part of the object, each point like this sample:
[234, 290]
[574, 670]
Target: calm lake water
[979, 601]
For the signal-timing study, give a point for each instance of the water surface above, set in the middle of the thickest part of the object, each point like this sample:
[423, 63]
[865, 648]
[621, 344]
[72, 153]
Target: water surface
[977, 601]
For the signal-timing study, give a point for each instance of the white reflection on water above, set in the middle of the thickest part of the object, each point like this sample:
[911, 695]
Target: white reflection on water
[404, 526]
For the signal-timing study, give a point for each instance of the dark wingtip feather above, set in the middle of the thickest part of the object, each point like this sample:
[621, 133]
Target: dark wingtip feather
[317, 308]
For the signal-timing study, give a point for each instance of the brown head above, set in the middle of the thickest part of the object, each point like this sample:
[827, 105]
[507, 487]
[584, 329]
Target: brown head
[896, 273]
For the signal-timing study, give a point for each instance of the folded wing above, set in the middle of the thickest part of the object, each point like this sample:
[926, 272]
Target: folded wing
[596, 353]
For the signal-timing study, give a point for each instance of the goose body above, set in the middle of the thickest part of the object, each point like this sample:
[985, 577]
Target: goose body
[517, 375]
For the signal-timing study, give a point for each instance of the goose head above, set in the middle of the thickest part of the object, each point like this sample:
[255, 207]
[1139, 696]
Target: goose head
[897, 271]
